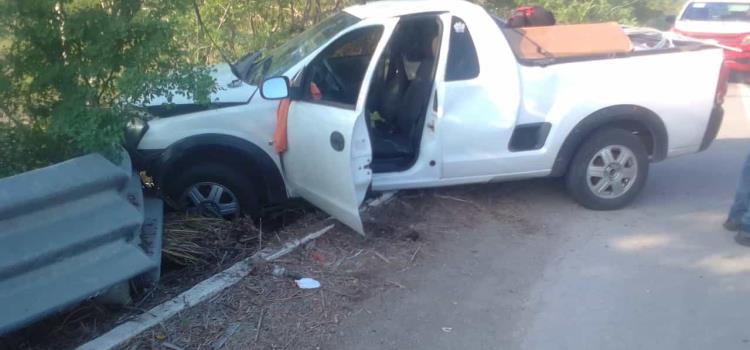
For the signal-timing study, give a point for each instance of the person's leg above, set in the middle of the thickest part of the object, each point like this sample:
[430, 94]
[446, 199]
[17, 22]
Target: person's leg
[738, 214]
[741, 202]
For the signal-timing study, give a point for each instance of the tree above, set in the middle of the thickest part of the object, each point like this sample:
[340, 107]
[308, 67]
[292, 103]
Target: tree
[653, 12]
[73, 70]
[239, 27]
[579, 11]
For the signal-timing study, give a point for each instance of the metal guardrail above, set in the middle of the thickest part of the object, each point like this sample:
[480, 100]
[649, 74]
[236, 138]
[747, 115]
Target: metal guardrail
[72, 231]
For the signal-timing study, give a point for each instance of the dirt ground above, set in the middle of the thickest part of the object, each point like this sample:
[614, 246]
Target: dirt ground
[407, 237]
[268, 311]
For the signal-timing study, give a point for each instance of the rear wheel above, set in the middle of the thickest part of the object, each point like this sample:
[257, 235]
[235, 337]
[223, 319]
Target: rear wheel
[609, 170]
[213, 189]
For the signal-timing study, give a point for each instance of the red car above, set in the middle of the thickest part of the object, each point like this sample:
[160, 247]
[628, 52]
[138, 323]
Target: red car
[725, 22]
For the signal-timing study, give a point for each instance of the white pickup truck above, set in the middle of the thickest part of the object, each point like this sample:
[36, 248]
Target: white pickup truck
[413, 94]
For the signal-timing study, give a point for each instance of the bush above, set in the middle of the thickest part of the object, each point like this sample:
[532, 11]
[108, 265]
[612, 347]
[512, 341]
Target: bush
[73, 69]
[25, 148]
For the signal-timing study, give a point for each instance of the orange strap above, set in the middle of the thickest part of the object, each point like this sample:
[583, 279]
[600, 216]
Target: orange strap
[280, 142]
[315, 92]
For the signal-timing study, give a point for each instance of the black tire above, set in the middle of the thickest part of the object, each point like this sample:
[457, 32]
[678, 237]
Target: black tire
[579, 182]
[237, 182]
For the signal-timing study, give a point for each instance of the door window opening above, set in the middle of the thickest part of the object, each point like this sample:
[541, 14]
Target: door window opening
[400, 93]
[335, 76]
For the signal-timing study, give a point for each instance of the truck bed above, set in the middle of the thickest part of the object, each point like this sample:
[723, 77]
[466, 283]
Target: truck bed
[674, 84]
[541, 46]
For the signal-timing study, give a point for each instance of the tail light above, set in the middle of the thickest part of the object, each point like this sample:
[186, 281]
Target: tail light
[723, 85]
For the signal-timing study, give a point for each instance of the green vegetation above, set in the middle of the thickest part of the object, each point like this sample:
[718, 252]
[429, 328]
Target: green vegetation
[69, 69]
[636, 12]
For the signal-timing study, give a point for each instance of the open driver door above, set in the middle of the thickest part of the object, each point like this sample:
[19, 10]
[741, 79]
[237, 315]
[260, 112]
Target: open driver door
[329, 153]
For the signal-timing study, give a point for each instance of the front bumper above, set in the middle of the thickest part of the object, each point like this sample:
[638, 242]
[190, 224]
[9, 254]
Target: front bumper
[714, 124]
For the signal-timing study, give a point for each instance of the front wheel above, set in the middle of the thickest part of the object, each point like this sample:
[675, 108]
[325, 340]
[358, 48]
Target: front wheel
[214, 190]
[609, 170]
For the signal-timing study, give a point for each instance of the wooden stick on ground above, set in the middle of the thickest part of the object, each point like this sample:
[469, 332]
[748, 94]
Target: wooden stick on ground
[414, 256]
[381, 257]
[260, 324]
[224, 338]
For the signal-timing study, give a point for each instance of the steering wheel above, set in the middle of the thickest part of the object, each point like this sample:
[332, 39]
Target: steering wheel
[333, 79]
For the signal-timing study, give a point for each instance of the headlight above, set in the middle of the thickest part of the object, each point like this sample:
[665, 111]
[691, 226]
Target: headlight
[746, 40]
[134, 132]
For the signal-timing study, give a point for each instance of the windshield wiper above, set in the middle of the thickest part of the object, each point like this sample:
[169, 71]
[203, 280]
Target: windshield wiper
[245, 65]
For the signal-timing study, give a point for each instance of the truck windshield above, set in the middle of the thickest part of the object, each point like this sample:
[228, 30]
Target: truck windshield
[717, 11]
[276, 61]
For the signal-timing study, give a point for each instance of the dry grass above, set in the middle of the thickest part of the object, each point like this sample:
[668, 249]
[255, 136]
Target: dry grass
[190, 240]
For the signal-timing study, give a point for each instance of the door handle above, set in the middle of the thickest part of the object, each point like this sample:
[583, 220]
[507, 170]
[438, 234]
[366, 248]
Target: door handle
[337, 141]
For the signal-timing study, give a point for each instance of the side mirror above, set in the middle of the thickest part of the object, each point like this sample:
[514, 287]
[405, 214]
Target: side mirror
[671, 19]
[275, 88]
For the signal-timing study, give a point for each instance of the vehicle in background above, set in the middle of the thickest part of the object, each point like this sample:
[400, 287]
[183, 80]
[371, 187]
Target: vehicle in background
[531, 16]
[397, 95]
[725, 22]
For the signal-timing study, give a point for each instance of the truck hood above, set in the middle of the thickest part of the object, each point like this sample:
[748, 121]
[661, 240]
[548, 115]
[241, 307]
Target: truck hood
[229, 90]
[713, 27]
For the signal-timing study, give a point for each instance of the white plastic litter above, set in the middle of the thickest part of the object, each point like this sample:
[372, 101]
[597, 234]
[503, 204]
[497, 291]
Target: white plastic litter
[307, 283]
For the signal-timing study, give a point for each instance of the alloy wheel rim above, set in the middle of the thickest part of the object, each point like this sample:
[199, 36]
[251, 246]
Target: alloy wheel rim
[612, 172]
[211, 199]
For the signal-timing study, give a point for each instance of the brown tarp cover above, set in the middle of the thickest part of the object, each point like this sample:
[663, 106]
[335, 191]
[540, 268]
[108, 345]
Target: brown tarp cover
[568, 40]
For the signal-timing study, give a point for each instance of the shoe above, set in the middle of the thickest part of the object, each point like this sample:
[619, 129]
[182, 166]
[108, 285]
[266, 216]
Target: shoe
[731, 225]
[743, 238]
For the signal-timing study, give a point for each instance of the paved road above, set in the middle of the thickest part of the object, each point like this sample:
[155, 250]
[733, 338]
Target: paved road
[528, 269]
